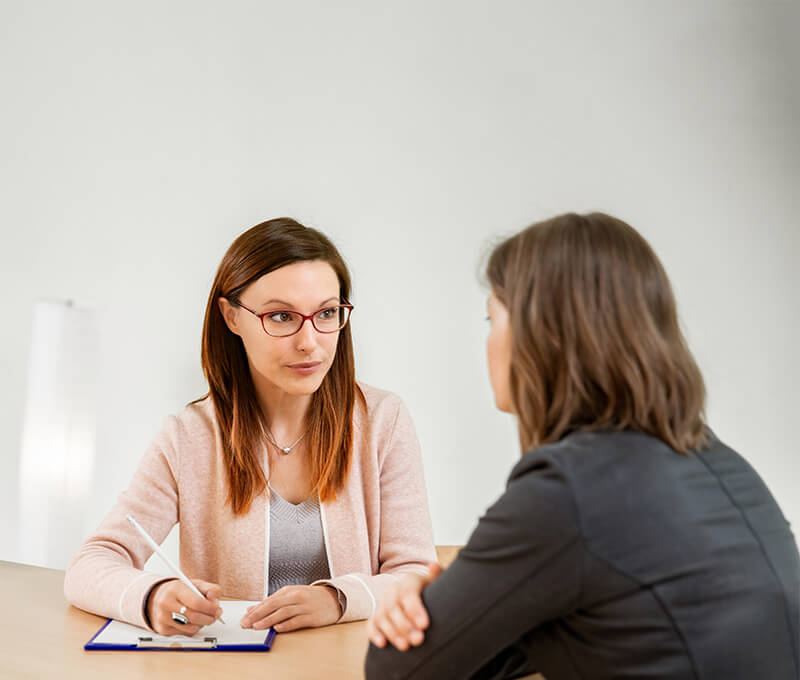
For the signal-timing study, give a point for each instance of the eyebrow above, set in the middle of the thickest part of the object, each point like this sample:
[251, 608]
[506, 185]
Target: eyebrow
[288, 305]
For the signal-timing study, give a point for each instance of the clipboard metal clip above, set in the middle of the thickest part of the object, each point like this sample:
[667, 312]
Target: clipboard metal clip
[165, 643]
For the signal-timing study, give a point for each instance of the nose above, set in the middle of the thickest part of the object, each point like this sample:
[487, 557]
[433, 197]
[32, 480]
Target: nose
[306, 337]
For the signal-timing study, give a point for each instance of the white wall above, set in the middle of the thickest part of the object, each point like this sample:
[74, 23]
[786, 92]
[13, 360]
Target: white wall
[138, 139]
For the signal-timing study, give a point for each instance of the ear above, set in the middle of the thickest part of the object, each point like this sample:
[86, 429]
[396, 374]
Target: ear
[230, 314]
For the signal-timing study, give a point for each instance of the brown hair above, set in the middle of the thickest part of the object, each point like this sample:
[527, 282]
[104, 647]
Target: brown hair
[258, 251]
[595, 337]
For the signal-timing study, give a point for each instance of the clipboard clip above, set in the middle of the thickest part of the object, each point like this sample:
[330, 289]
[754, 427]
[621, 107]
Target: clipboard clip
[166, 643]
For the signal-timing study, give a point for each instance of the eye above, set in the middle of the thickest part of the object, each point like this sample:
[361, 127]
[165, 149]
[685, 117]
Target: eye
[327, 314]
[280, 317]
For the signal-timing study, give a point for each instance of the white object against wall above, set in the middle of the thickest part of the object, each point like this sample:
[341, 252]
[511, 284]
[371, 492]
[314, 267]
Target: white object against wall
[58, 433]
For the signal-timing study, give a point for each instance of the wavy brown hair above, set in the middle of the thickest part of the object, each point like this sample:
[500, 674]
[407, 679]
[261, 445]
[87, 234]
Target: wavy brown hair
[258, 251]
[596, 342]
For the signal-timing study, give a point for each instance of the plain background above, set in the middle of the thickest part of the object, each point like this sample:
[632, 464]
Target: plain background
[137, 140]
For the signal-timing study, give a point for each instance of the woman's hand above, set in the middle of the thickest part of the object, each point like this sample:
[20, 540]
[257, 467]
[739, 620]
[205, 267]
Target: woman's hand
[295, 607]
[170, 596]
[401, 617]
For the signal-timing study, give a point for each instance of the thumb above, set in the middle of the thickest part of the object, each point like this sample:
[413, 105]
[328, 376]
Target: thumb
[434, 571]
[211, 591]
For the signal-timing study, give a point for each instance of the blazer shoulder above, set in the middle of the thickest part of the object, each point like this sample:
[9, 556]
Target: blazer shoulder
[555, 456]
[379, 408]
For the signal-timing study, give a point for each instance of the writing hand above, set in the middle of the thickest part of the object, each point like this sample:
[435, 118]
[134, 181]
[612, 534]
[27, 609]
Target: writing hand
[171, 596]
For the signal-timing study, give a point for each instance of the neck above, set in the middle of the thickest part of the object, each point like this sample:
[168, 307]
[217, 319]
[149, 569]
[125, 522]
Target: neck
[284, 413]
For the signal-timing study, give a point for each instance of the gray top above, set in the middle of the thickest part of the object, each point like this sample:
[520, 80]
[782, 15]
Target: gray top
[296, 543]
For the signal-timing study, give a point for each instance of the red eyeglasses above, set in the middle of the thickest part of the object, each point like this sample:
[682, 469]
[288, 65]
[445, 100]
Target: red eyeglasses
[281, 323]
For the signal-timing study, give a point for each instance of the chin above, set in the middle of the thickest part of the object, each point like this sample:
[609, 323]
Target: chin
[303, 386]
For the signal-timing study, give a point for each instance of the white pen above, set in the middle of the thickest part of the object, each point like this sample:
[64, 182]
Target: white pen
[166, 559]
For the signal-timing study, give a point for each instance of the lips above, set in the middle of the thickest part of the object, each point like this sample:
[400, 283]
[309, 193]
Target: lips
[305, 365]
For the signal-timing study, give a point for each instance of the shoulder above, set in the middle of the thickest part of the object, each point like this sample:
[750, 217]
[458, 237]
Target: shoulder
[379, 410]
[194, 425]
[384, 427]
[540, 477]
[591, 467]
[586, 453]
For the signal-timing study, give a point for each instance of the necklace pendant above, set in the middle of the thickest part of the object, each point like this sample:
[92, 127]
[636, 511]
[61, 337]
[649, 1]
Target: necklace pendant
[286, 449]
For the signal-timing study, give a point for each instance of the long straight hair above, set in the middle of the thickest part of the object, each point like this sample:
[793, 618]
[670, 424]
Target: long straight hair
[595, 342]
[262, 249]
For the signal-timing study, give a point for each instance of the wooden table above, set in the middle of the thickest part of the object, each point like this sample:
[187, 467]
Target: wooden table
[42, 636]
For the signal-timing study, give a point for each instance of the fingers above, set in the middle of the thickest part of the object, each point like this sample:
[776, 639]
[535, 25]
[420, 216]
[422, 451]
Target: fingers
[304, 606]
[286, 596]
[394, 627]
[194, 601]
[184, 629]
[171, 597]
[415, 611]
[211, 591]
[376, 637]
[163, 623]
[402, 617]
[385, 624]
[403, 627]
[282, 614]
[187, 630]
[295, 623]
[198, 618]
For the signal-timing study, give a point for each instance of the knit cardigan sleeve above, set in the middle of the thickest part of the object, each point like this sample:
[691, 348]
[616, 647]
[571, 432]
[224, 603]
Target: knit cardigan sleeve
[106, 575]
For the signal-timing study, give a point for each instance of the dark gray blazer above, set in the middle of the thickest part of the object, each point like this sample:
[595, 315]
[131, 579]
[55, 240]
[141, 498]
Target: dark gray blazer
[612, 556]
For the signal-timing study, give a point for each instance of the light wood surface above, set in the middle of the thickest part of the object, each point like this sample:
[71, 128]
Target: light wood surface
[42, 636]
[447, 553]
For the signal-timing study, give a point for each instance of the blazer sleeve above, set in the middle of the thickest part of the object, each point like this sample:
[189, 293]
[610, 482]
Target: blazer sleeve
[406, 534]
[521, 567]
[106, 574]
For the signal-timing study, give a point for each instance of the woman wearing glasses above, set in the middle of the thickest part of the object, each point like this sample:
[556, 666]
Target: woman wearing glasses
[292, 483]
[630, 542]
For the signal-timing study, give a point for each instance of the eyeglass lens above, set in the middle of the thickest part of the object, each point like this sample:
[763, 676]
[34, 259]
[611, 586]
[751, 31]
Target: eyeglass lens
[325, 320]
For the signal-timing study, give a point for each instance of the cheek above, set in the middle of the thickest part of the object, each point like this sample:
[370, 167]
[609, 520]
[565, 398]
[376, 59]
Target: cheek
[262, 352]
[330, 343]
[493, 352]
[499, 360]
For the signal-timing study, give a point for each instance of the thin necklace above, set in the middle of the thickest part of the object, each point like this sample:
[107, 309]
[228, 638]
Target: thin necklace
[286, 450]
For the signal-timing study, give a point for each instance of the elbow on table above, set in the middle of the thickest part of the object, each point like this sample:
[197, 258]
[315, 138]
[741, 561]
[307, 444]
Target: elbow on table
[74, 585]
[70, 586]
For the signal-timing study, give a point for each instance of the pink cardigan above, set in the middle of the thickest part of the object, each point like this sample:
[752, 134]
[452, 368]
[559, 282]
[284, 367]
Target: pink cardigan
[378, 526]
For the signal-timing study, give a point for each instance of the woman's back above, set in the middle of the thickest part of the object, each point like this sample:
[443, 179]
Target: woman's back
[690, 569]
[610, 555]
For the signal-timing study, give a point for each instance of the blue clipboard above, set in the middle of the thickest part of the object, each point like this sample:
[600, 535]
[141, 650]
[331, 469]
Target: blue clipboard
[118, 636]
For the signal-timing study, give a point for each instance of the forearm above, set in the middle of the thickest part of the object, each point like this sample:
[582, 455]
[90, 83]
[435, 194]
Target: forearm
[472, 626]
[521, 567]
[103, 585]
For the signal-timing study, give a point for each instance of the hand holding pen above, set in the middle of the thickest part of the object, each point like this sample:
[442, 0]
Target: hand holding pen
[173, 609]
[180, 607]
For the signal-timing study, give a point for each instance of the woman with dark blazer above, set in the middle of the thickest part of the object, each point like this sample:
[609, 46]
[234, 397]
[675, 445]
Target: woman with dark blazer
[630, 542]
